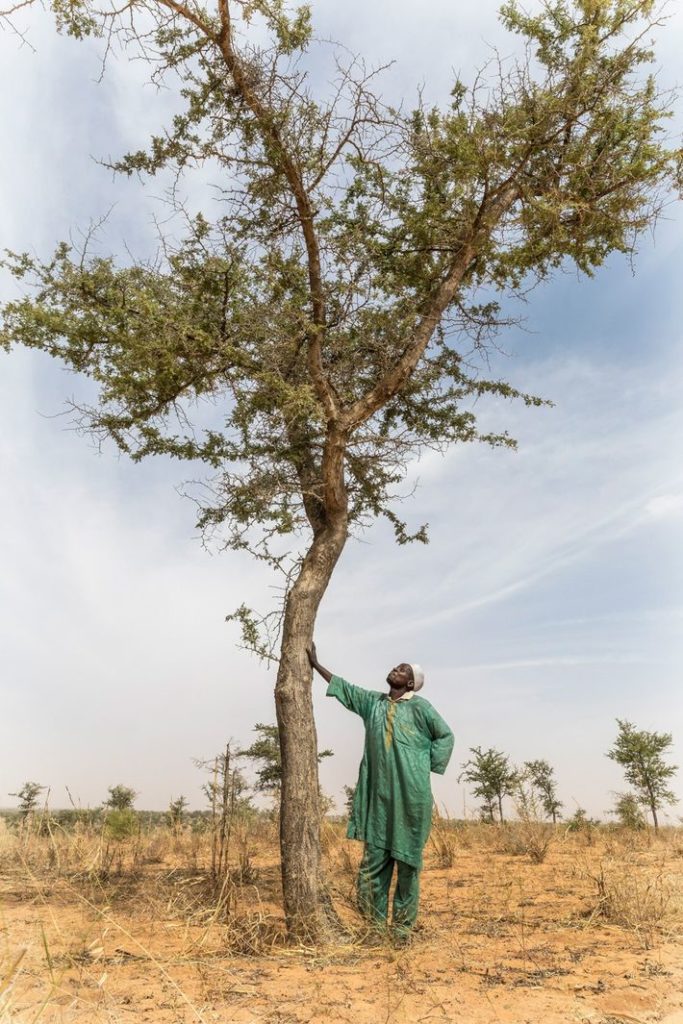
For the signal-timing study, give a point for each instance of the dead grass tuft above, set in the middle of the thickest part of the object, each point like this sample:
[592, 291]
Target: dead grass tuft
[531, 839]
[641, 897]
[443, 838]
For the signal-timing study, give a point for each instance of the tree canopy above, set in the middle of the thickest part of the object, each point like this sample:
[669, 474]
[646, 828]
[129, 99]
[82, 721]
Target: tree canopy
[359, 256]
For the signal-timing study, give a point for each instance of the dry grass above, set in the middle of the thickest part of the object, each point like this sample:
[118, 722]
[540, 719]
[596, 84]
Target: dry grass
[642, 895]
[94, 929]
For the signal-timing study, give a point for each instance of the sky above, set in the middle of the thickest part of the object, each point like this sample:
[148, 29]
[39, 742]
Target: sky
[549, 601]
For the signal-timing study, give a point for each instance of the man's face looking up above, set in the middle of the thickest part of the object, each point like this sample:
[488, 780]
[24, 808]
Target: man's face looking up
[401, 677]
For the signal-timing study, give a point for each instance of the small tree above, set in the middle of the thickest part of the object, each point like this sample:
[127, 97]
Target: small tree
[581, 822]
[265, 751]
[349, 794]
[28, 798]
[121, 820]
[176, 813]
[542, 779]
[640, 754]
[492, 777]
[628, 811]
[121, 798]
[226, 792]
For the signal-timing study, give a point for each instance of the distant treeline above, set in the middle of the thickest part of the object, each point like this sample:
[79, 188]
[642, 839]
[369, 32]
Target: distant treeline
[491, 776]
[92, 817]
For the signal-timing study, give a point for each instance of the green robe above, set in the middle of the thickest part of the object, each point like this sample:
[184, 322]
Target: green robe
[404, 741]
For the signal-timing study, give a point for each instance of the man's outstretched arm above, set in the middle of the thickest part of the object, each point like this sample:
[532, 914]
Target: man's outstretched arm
[353, 698]
[320, 669]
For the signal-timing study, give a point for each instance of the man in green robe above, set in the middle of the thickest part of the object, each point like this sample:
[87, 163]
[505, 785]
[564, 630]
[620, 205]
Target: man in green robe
[405, 740]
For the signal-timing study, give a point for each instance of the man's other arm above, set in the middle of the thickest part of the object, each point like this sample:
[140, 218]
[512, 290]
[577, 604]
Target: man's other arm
[442, 744]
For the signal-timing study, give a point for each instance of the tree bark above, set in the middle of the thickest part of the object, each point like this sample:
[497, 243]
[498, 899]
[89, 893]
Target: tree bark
[307, 909]
[302, 886]
[651, 796]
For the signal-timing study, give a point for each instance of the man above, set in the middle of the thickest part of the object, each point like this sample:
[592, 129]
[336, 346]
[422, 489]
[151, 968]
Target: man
[405, 739]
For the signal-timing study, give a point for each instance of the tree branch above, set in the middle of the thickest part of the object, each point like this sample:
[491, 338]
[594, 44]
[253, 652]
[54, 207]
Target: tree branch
[489, 213]
[285, 162]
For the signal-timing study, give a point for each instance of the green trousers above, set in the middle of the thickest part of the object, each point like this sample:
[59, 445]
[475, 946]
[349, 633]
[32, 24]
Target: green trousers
[374, 880]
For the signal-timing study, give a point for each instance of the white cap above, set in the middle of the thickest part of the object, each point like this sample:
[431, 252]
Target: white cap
[418, 676]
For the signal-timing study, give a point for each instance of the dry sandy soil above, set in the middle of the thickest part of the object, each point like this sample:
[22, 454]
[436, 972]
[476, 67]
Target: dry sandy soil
[591, 934]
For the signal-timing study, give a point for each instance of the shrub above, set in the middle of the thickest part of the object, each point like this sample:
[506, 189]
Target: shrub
[628, 811]
[121, 825]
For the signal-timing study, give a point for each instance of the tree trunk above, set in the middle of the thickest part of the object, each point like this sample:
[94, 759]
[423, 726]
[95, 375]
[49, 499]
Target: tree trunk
[500, 809]
[650, 794]
[306, 907]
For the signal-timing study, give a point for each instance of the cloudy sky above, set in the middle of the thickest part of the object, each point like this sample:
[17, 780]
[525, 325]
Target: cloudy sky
[549, 601]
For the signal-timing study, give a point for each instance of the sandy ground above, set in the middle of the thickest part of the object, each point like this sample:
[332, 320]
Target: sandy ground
[592, 934]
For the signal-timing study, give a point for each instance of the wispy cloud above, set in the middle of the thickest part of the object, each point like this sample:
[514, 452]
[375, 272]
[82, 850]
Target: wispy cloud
[554, 662]
[665, 506]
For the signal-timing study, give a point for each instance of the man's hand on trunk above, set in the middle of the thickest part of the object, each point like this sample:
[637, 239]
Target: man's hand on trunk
[313, 658]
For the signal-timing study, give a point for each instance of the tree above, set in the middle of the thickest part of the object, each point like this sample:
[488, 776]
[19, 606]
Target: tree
[28, 798]
[542, 778]
[581, 822]
[349, 794]
[640, 754]
[176, 813]
[121, 798]
[226, 792]
[628, 811]
[266, 751]
[331, 316]
[121, 821]
[492, 778]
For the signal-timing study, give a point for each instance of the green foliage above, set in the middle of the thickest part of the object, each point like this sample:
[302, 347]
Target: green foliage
[265, 751]
[121, 798]
[75, 18]
[628, 811]
[640, 753]
[349, 794]
[256, 636]
[28, 798]
[292, 33]
[121, 824]
[492, 778]
[542, 778]
[580, 822]
[177, 813]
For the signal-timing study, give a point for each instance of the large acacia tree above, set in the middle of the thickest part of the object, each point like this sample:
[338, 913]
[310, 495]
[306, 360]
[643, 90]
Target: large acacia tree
[309, 335]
